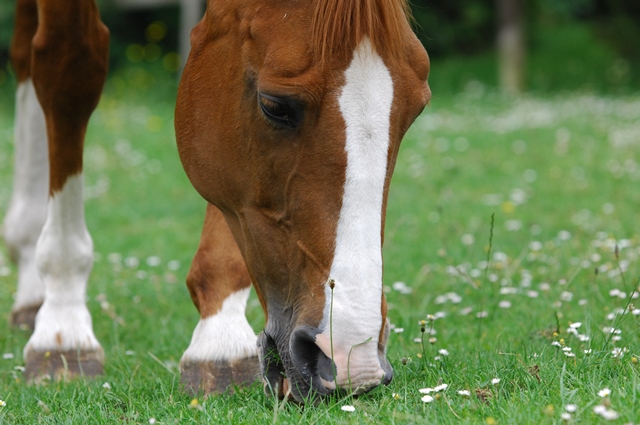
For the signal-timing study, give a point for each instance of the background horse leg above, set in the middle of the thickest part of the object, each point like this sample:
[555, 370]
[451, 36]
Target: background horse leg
[223, 348]
[68, 68]
[28, 207]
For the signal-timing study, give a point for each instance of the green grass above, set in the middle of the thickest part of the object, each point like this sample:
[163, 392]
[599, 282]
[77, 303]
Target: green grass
[559, 175]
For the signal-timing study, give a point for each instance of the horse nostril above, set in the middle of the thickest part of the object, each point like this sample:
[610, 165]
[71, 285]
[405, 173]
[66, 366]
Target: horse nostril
[309, 360]
[271, 365]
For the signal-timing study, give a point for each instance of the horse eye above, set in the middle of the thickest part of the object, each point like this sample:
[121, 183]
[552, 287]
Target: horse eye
[280, 111]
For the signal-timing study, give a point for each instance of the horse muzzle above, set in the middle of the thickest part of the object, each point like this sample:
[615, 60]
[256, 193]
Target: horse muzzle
[302, 365]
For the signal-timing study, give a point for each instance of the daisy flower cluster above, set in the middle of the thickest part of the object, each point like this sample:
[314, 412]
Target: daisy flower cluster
[604, 409]
[429, 394]
[427, 397]
[541, 275]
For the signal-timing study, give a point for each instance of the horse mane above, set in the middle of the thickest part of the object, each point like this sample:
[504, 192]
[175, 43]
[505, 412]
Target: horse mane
[339, 25]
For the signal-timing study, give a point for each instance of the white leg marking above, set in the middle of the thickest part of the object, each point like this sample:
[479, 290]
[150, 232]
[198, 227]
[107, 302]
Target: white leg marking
[365, 104]
[28, 208]
[64, 256]
[226, 335]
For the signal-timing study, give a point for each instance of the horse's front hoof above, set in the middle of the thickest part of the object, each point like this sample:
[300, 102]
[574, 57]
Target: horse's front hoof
[62, 365]
[25, 317]
[218, 376]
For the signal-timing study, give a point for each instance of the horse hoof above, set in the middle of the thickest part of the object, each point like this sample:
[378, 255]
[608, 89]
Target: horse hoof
[25, 317]
[62, 365]
[218, 377]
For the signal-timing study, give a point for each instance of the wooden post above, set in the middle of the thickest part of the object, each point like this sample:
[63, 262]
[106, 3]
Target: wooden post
[511, 46]
[191, 12]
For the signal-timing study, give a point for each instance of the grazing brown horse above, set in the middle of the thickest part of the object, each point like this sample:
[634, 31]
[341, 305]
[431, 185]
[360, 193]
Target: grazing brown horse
[288, 121]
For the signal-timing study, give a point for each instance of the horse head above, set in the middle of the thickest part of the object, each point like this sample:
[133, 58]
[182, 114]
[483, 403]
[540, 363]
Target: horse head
[289, 119]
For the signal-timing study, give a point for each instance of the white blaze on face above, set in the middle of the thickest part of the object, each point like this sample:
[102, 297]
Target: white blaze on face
[365, 104]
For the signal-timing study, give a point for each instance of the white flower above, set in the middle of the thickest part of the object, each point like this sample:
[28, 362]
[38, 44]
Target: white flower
[402, 288]
[575, 325]
[2, 403]
[465, 393]
[571, 408]
[495, 381]
[131, 262]
[599, 409]
[566, 296]
[7, 356]
[173, 265]
[618, 352]
[443, 352]
[106, 385]
[427, 399]
[152, 421]
[556, 343]
[441, 387]
[348, 408]
[466, 311]
[564, 235]
[467, 239]
[565, 416]
[605, 392]
[504, 304]
[569, 354]
[436, 389]
[398, 330]
[610, 415]
[535, 246]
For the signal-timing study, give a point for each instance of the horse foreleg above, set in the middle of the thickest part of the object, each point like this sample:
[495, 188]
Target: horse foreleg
[28, 207]
[68, 68]
[223, 349]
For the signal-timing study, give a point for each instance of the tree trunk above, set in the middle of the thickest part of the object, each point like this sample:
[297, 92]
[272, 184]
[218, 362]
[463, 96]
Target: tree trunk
[511, 48]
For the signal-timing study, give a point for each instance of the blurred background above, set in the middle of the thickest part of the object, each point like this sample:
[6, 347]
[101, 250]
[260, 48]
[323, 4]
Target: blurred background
[513, 45]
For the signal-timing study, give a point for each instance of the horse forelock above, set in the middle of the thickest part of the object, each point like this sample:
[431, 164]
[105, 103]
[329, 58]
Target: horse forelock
[339, 25]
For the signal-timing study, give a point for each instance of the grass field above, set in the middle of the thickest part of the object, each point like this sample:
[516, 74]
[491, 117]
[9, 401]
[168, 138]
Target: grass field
[511, 232]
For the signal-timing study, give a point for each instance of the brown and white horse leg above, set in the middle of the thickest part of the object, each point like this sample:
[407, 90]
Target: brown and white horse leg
[223, 349]
[28, 207]
[68, 69]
